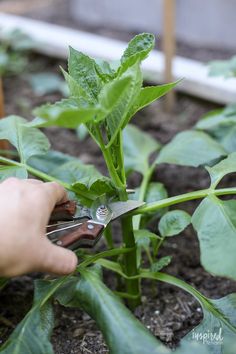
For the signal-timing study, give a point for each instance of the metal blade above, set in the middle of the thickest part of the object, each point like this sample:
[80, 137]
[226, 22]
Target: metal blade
[120, 208]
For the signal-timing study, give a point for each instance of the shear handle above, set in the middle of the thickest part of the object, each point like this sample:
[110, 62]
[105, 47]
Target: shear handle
[63, 212]
[85, 234]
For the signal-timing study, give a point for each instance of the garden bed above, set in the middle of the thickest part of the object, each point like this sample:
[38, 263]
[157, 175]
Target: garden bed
[168, 312]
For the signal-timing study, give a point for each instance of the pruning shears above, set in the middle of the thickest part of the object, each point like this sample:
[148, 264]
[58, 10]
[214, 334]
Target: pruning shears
[74, 226]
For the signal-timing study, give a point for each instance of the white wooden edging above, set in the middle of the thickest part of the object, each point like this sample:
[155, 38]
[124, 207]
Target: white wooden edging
[54, 40]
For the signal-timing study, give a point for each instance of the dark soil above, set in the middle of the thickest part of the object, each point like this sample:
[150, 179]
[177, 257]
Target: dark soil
[170, 313]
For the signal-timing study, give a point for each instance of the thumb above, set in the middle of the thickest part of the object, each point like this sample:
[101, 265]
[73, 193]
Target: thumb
[57, 260]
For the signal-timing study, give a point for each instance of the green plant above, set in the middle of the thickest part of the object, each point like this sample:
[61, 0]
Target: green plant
[13, 52]
[221, 123]
[105, 99]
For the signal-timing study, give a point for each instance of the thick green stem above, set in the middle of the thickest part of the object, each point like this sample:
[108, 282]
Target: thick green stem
[130, 263]
[152, 207]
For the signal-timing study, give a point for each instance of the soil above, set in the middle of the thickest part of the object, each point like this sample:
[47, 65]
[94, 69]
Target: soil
[170, 313]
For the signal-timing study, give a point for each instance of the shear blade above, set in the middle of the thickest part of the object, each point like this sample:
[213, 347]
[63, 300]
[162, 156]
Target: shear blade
[120, 208]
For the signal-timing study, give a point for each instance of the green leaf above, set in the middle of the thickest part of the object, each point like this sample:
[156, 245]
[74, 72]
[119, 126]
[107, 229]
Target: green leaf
[104, 70]
[174, 222]
[191, 148]
[220, 170]
[225, 68]
[116, 118]
[50, 161]
[138, 146]
[27, 140]
[82, 132]
[138, 49]
[215, 223]
[3, 282]
[218, 325]
[160, 264]
[143, 237]
[221, 125]
[12, 171]
[86, 181]
[148, 95]
[83, 70]
[219, 319]
[123, 333]
[32, 335]
[45, 83]
[75, 90]
[218, 118]
[65, 113]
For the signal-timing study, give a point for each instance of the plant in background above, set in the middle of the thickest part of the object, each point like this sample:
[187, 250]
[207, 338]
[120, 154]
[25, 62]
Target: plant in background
[105, 100]
[221, 123]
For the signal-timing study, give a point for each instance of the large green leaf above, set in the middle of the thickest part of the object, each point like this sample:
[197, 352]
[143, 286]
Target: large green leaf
[51, 161]
[174, 222]
[221, 125]
[148, 95]
[27, 140]
[218, 325]
[191, 148]
[123, 333]
[218, 118]
[83, 70]
[224, 167]
[32, 335]
[217, 330]
[12, 171]
[215, 223]
[138, 146]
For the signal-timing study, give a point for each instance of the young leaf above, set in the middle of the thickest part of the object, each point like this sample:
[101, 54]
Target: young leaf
[191, 148]
[86, 181]
[83, 70]
[123, 333]
[138, 146]
[160, 264]
[174, 222]
[116, 118]
[27, 140]
[65, 113]
[220, 170]
[148, 95]
[138, 49]
[142, 240]
[32, 335]
[215, 223]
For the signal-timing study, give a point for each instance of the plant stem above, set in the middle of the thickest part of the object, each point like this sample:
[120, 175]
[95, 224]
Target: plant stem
[152, 207]
[130, 262]
[142, 194]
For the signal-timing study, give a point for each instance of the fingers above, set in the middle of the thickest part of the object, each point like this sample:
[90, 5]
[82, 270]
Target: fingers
[57, 194]
[56, 260]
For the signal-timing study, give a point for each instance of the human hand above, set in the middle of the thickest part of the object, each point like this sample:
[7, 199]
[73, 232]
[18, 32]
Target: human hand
[25, 209]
